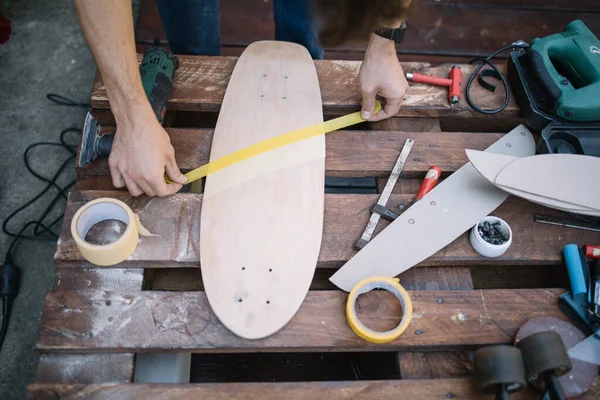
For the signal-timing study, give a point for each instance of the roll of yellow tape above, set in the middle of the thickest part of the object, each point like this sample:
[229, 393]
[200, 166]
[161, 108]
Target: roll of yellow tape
[393, 286]
[100, 210]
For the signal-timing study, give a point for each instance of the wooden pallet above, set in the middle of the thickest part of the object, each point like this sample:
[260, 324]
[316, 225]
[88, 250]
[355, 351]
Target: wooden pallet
[96, 319]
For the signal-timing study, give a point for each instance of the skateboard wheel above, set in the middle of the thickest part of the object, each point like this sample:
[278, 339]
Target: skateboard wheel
[543, 352]
[499, 365]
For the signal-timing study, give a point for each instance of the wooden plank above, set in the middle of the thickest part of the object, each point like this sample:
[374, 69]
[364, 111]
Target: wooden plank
[403, 186]
[435, 365]
[437, 278]
[150, 321]
[176, 220]
[200, 84]
[426, 278]
[96, 182]
[85, 368]
[439, 389]
[407, 125]
[349, 153]
[74, 279]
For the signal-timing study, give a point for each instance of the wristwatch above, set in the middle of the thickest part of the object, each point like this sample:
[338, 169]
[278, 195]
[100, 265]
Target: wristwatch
[395, 34]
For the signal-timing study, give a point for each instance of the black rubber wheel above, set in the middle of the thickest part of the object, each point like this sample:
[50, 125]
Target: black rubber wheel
[496, 365]
[543, 352]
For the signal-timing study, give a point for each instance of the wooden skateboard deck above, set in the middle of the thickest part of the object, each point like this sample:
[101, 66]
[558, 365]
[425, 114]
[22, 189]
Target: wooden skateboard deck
[562, 181]
[450, 209]
[262, 219]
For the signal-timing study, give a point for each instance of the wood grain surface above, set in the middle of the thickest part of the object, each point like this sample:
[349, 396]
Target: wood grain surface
[149, 321]
[200, 84]
[262, 219]
[349, 153]
[435, 364]
[440, 389]
[176, 220]
[85, 368]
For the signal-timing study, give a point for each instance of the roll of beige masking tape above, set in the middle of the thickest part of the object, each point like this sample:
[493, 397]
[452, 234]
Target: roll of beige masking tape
[101, 210]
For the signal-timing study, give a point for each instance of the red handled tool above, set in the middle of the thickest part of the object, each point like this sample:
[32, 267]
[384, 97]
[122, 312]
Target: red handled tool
[591, 251]
[453, 83]
[431, 179]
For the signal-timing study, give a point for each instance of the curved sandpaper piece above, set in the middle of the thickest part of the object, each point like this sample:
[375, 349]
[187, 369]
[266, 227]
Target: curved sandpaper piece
[551, 180]
[262, 219]
[450, 209]
[583, 374]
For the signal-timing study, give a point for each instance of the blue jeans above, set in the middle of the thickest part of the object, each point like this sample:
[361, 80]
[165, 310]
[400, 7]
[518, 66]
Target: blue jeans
[192, 26]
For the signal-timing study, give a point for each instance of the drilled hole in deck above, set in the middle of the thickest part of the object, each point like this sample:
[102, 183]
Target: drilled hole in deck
[106, 232]
[293, 367]
[379, 310]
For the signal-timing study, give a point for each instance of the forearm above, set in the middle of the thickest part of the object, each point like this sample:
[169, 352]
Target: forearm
[108, 28]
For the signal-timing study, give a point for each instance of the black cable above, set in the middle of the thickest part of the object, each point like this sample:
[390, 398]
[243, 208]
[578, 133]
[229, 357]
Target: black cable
[6, 312]
[65, 101]
[486, 61]
[10, 274]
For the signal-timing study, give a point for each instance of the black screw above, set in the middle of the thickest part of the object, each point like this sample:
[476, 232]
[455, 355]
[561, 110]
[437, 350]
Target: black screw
[110, 319]
[416, 159]
[440, 301]
[108, 302]
[418, 332]
[564, 82]
[569, 114]
[450, 396]
[243, 268]
[240, 300]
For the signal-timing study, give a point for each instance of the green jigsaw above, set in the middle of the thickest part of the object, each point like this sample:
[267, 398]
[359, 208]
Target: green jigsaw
[559, 76]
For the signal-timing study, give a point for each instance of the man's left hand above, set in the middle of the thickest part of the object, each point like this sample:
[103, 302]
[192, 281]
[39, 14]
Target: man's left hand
[381, 75]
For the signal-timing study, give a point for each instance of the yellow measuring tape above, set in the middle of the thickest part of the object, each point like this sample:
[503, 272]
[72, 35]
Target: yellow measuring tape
[274, 143]
[393, 286]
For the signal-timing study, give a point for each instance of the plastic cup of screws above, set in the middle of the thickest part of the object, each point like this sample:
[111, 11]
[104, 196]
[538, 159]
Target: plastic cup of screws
[491, 237]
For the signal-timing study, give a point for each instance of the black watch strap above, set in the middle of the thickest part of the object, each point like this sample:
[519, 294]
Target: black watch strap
[395, 34]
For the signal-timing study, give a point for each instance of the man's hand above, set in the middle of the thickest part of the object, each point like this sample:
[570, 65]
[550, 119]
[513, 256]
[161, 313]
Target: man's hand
[381, 75]
[140, 156]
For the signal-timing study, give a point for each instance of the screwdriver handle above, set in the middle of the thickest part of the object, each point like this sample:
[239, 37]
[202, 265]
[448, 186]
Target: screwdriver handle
[431, 178]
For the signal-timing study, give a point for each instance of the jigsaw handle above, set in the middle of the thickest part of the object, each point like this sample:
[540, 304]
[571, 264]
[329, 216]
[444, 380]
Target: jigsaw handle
[568, 69]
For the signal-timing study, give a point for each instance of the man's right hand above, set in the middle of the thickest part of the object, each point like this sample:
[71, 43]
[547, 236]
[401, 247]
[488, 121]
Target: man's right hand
[140, 156]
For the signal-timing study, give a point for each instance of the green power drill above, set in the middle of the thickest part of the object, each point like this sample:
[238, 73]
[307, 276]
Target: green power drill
[558, 77]
[157, 70]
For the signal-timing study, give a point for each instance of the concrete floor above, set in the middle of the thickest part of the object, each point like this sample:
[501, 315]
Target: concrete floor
[46, 53]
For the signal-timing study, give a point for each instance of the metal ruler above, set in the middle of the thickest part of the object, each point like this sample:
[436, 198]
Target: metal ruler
[385, 195]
